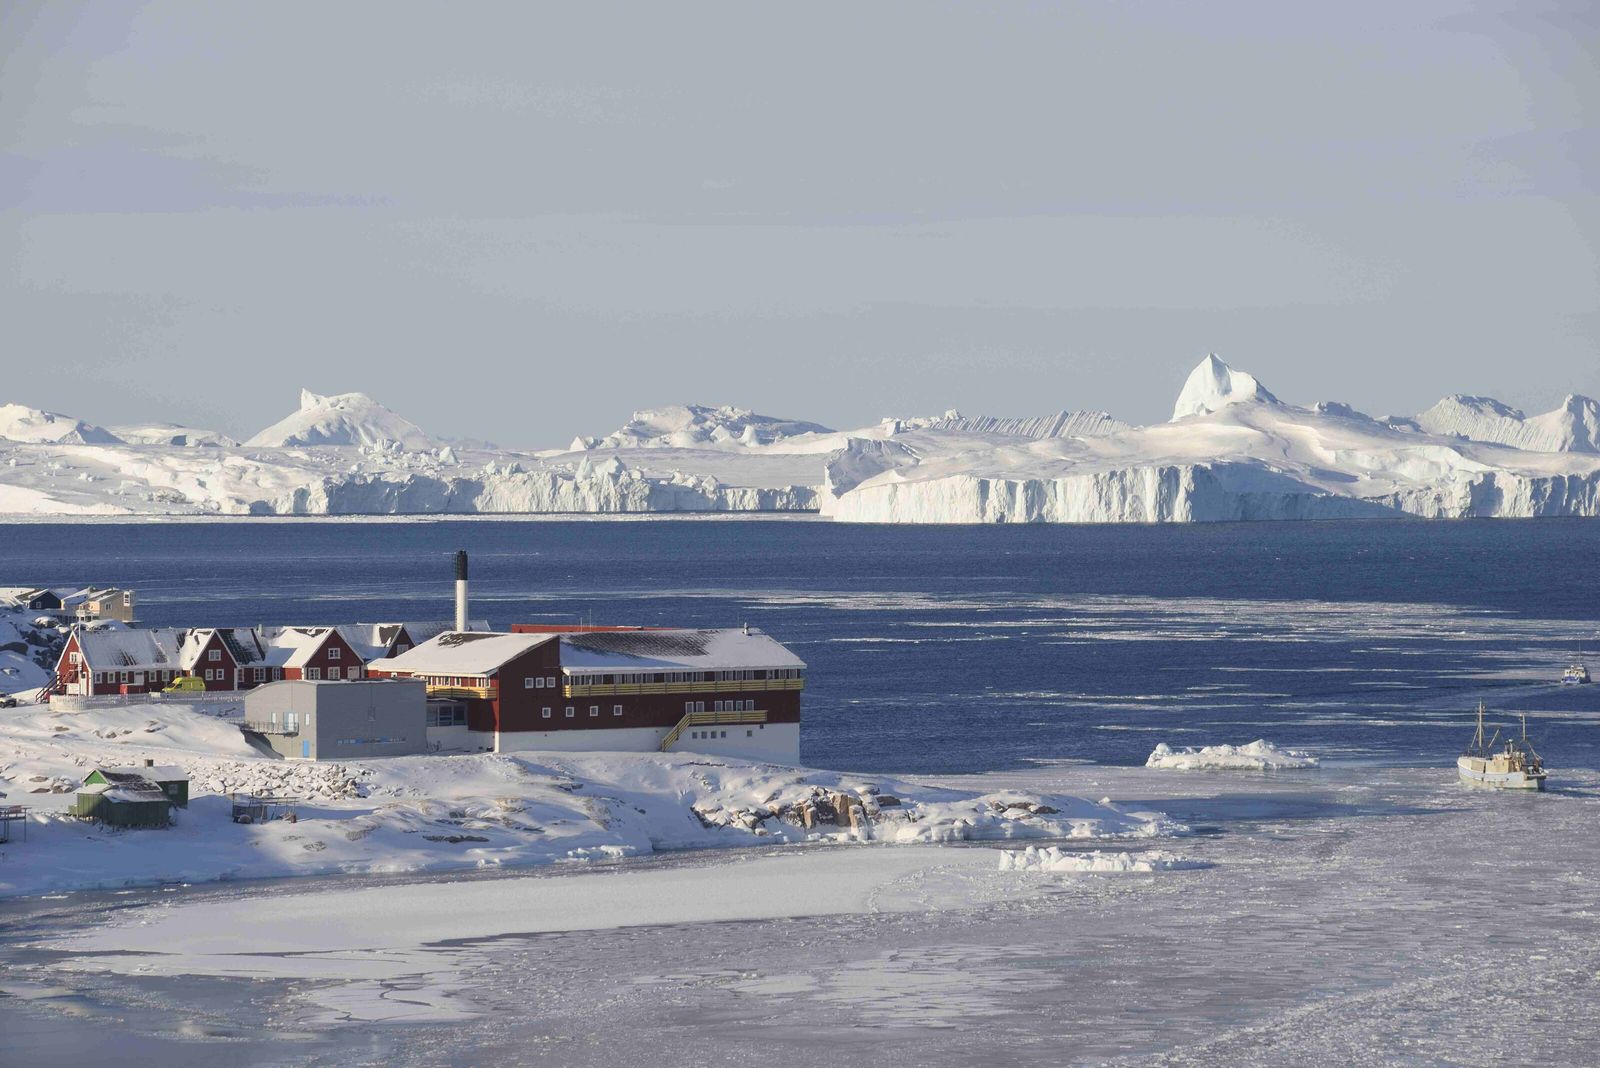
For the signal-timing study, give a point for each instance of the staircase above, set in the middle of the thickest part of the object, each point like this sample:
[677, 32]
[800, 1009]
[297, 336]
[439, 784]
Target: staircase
[710, 719]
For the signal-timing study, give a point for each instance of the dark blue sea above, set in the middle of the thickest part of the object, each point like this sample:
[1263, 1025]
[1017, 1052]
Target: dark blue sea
[948, 649]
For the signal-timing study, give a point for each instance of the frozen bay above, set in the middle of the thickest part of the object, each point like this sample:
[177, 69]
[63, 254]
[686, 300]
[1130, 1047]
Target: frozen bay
[1349, 913]
[1344, 915]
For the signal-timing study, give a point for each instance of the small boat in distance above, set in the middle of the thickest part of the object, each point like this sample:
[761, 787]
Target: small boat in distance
[1514, 767]
[1575, 675]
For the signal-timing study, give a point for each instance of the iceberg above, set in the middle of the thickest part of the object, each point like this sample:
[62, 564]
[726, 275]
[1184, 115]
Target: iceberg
[1259, 755]
[1232, 451]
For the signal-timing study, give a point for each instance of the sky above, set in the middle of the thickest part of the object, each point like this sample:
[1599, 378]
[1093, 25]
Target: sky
[521, 222]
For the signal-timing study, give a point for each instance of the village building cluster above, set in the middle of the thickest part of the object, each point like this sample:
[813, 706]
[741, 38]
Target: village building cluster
[390, 689]
[71, 605]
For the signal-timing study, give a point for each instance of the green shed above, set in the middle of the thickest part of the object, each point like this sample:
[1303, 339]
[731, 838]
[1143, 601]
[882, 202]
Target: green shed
[172, 781]
[124, 805]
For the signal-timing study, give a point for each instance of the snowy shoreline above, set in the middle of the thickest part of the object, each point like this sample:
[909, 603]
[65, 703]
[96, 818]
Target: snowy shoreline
[462, 812]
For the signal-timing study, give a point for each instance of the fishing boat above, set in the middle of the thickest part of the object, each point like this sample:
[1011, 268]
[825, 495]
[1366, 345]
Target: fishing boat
[1513, 766]
[1575, 675]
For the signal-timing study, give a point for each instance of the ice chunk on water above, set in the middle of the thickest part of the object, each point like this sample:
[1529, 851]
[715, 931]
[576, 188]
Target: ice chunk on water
[1056, 859]
[1259, 755]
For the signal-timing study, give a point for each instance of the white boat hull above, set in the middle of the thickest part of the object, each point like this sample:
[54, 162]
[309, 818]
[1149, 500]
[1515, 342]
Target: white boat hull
[1500, 780]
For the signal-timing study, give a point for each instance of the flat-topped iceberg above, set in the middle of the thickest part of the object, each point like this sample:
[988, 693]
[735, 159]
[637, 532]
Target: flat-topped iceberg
[1232, 451]
[1259, 755]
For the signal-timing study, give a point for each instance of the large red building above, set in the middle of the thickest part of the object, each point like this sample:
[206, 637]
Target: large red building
[730, 692]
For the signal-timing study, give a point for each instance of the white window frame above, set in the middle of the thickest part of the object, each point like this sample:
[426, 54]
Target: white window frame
[545, 712]
[312, 674]
[616, 710]
[571, 711]
[529, 684]
[334, 652]
[214, 654]
[594, 710]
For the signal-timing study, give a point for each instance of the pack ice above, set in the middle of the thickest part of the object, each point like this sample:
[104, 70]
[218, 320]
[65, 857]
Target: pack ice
[1232, 450]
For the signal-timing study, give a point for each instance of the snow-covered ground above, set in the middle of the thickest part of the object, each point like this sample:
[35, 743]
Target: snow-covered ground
[29, 647]
[1259, 755]
[432, 813]
[1233, 450]
[1359, 916]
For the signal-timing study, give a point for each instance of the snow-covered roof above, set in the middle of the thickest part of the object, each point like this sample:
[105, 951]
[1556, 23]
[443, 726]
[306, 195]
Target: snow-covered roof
[373, 640]
[154, 773]
[242, 643]
[105, 648]
[673, 650]
[292, 646]
[135, 793]
[462, 653]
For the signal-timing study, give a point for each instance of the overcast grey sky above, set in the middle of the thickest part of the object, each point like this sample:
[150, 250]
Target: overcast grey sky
[521, 222]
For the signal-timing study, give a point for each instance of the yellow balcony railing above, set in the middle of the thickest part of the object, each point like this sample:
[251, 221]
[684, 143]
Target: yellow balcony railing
[482, 692]
[624, 689]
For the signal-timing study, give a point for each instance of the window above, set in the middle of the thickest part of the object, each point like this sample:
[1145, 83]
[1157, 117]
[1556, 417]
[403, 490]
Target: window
[545, 712]
[334, 652]
[594, 710]
[749, 734]
[550, 681]
[313, 673]
[699, 706]
[688, 706]
[73, 657]
[616, 710]
[333, 672]
[571, 711]
[528, 684]
[261, 674]
[277, 673]
[400, 648]
[716, 706]
[214, 654]
[208, 675]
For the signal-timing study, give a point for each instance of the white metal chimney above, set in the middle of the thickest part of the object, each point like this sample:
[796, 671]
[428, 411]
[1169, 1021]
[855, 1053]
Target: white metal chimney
[461, 590]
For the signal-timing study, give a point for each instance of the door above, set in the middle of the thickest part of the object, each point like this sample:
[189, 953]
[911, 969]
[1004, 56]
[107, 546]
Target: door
[305, 748]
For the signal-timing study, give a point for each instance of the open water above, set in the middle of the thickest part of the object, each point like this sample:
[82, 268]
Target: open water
[966, 649]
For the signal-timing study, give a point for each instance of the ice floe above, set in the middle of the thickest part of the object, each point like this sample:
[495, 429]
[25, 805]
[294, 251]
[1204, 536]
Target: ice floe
[1259, 755]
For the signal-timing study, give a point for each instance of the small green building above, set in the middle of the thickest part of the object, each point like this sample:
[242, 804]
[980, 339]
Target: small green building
[124, 806]
[132, 797]
[172, 781]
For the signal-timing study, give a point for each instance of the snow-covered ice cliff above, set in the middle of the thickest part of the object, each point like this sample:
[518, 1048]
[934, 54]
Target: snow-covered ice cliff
[1232, 450]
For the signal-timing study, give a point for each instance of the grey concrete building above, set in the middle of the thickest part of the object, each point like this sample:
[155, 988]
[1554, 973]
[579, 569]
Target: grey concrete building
[325, 720]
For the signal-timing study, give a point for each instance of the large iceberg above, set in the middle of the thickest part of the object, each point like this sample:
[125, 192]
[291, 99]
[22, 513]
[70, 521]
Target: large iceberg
[1232, 451]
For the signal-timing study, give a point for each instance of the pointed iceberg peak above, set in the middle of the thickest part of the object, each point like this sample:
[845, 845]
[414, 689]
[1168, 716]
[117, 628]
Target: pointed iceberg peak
[342, 419]
[1214, 385]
